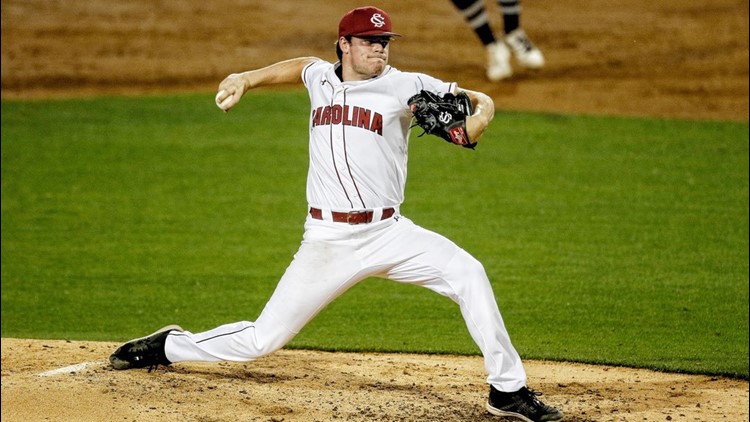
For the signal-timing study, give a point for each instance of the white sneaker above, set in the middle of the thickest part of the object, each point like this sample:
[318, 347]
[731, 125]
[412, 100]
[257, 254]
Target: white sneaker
[498, 61]
[524, 50]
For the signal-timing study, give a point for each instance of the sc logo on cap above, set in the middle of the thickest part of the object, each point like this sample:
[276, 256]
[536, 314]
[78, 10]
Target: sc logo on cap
[378, 20]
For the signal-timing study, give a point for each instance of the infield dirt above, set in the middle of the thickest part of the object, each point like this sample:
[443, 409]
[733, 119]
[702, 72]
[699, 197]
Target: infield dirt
[671, 59]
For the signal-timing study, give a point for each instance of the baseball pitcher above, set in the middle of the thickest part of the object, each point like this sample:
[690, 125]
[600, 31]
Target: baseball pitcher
[362, 111]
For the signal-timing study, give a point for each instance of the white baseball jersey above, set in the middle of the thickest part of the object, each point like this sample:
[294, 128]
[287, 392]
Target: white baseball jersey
[359, 134]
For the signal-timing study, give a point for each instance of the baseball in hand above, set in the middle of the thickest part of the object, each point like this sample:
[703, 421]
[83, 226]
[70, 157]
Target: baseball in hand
[223, 104]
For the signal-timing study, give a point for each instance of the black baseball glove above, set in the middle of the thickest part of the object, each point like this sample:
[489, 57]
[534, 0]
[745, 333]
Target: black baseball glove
[444, 116]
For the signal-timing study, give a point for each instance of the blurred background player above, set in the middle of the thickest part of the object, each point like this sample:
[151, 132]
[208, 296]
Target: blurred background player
[513, 40]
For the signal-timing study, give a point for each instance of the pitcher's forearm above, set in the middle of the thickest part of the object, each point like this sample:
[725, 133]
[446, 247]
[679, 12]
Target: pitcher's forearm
[484, 112]
[234, 86]
[284, 72]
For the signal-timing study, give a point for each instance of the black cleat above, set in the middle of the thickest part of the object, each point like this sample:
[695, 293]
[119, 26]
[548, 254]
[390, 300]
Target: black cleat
[522, 404]
[144, 351]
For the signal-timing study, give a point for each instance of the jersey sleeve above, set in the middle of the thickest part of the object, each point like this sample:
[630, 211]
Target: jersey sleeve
[314, 72]
[429, 83]
[413, 83]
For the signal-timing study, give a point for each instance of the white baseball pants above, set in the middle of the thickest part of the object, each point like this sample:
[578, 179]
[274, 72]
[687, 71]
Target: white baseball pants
[335, 256]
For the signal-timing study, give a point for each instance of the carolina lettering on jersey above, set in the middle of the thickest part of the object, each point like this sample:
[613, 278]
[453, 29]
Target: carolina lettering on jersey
[348, 116]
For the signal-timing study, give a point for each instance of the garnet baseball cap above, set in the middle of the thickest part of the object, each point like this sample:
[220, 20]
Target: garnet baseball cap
[366, 21]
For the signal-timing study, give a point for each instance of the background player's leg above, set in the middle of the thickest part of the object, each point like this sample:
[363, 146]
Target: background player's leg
[527, 54]
[475, 15]
[498, 55]
[511, 11]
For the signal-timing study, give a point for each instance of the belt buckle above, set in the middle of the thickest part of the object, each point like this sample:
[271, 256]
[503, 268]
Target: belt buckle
[352, 214]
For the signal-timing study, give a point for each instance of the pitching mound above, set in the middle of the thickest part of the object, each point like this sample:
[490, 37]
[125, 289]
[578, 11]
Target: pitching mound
[44, 380]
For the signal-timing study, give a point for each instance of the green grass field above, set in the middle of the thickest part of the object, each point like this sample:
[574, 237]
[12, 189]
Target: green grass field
[608, 240]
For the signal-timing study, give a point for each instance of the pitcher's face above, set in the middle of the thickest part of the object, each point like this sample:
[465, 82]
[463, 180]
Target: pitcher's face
[366, 57]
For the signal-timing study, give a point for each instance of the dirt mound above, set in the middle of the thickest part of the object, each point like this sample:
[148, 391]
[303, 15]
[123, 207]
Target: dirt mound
[63, 380]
